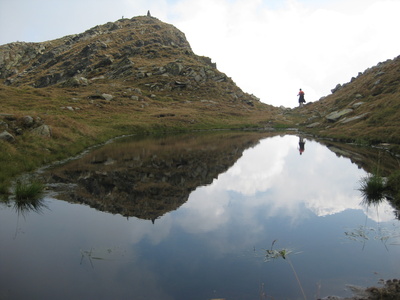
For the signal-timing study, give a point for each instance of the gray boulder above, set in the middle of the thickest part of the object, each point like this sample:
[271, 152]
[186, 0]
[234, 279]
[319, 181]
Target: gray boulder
[76, 82]
[3, 125]
[358, 104]
[358, 96]
[336, 115]
[347, 120]
[6, 136]
[316, 124]
[107, 97]
[43, 130]
[28, 121]
[174, 68]
[337, 87]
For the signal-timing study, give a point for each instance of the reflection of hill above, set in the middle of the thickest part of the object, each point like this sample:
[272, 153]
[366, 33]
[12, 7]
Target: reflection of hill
[148, 178]
[370, 159]
[373, 160]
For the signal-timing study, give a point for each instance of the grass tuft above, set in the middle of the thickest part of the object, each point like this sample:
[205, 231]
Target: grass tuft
[372, 189]
[28, 190]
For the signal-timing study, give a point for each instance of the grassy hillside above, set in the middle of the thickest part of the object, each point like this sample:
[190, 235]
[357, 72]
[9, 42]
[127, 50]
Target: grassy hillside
[372, 101]
[78, 118]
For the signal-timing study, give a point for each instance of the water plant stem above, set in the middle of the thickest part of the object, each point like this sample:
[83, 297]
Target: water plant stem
[297, 278]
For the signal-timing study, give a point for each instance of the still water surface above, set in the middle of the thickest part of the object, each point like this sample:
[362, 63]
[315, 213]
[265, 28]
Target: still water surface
[210, 241]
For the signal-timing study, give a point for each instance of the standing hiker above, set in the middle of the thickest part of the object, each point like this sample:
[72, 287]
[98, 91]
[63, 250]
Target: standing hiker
[301, 98]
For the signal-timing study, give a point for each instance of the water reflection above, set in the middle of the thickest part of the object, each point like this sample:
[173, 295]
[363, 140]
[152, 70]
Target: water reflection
[302, 143]
[372, 189]
[213, 228]
[24, 206]
[148, 178]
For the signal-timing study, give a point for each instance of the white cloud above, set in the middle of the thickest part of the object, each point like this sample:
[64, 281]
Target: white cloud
[273, 53]
[270, 48]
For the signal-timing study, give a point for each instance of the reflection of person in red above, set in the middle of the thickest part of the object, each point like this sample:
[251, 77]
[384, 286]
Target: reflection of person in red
[301, 98]
[301, 145]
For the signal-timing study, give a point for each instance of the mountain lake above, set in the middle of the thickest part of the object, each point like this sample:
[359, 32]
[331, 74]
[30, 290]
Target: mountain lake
[226, 215]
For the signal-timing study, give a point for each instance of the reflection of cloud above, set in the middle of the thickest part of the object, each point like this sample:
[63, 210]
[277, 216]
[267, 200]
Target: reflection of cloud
[381, 213]
[205, 211]
[255, 172]
[272, 180]
[145, 228]
[338, 203]
[257, 169]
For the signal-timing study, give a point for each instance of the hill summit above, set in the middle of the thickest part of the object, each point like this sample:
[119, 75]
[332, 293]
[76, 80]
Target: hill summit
[142, 51]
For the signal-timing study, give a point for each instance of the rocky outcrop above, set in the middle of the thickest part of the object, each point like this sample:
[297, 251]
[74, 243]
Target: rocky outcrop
[145, 50]
[48, 63]
[16, 126]
[337, 88]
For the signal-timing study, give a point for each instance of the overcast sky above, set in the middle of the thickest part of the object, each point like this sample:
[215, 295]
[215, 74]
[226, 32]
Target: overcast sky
[270, 48]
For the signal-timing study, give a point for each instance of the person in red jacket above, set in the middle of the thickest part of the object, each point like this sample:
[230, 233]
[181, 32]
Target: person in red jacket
[301, 98]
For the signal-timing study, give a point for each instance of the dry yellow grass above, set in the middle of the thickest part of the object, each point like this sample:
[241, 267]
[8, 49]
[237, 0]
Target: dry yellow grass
[93, 121]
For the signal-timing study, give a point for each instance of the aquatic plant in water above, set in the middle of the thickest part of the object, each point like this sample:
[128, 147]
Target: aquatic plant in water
[384, 235]
[272, 254]
[106, 254]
